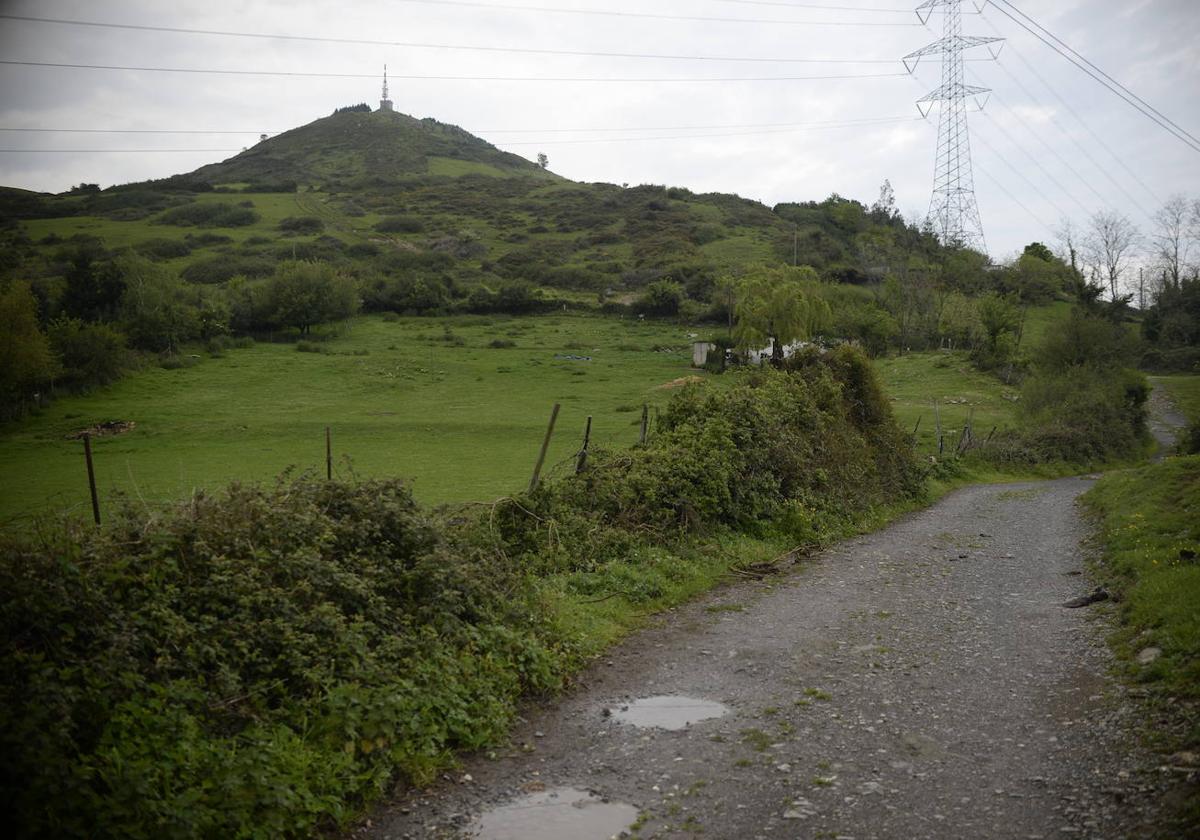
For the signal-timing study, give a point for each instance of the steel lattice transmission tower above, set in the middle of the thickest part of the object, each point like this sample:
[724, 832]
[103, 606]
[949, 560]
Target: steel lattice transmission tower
[953, 209]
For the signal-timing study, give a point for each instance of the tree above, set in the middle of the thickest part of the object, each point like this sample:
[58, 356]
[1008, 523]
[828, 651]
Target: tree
[884, 207]
[153, 310]
[543, 161]
[26, 360]
[91, 354]
[661, 298]
[780, 305]
[1173, 237]
[1109, 247]
[305, 293]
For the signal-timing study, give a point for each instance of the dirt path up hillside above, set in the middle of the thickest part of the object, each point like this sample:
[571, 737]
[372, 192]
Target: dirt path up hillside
[921, 682]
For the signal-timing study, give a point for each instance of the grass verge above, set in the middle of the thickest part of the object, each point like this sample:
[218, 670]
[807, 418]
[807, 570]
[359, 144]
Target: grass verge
[1149, 519]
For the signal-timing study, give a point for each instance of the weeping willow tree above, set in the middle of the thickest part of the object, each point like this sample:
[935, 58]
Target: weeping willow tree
[780, 305]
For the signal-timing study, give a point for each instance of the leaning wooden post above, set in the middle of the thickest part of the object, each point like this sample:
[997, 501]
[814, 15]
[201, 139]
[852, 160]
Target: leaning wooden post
[537, 470]
[87, 456]
[328, 455]
[581, 462]
[645, 423]
[937, 417]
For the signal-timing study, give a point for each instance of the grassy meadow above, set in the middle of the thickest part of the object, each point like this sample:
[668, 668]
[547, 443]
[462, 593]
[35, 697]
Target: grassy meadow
[422, 398]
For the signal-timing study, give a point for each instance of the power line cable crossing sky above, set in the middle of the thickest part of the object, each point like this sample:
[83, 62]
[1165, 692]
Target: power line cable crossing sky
[813, 108]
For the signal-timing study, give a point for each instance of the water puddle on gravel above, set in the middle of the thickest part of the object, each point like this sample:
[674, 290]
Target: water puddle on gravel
[668, 711]
[555, 815]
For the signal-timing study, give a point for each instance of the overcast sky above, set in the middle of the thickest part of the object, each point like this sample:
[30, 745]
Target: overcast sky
[1051, 142]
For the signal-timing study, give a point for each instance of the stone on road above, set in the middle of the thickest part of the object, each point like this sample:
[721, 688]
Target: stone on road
[924, 681]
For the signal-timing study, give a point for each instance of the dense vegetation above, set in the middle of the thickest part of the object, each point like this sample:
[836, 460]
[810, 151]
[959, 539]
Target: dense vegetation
[257, 661]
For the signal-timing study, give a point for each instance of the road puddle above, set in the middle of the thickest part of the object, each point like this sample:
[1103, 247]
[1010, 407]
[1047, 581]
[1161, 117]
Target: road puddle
[668, 711]
[554, 815]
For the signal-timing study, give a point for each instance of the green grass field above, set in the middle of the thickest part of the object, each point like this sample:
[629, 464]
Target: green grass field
[916, 380]
[1184, 390]
[465, 422]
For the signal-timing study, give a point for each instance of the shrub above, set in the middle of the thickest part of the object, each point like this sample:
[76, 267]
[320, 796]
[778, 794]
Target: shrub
[91, 354]
[221, 269]
[400, 224]
[301, 225]
[164, 249]
[209, 214]
[248, 661]
[660, 299]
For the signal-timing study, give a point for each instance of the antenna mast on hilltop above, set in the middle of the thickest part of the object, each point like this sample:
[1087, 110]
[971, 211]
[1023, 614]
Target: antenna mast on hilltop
[953, 209]
[385, 104]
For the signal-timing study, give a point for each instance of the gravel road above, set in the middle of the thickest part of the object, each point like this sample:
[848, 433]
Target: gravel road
[924, 681]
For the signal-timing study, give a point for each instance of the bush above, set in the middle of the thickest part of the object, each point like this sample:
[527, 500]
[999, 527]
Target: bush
[301, 225]
[660, 299]
[164, 249]
[91, 354]
[208, 214]
[221, 269]
[400, 224]
[816, 442]
[248, 661]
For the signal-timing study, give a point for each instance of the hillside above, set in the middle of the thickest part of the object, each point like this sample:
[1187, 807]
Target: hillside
[372, 190]
[359, 149]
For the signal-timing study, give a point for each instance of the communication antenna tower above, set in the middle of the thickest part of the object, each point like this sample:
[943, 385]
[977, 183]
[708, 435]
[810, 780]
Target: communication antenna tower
[385, 104]
[953, 209]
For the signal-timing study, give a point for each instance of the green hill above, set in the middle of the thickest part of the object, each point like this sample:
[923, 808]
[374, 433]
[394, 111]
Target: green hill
[358, 149]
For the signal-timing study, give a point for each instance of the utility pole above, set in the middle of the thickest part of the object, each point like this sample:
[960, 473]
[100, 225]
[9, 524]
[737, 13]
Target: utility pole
[953, 208]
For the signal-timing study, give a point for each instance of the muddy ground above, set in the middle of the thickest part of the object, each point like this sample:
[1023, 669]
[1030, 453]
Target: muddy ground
[924, 681]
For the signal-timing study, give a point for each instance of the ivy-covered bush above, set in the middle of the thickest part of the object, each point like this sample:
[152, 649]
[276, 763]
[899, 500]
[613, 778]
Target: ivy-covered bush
[248, 663]
[793, 450]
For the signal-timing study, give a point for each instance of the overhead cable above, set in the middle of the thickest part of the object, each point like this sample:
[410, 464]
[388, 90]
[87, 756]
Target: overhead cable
[1122, 88]
[1106, 171]
[420, 77]
[324, 39]
[555, 10]
[1164, 123]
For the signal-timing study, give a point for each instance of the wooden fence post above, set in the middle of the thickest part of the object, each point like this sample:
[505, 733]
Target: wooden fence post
[937, 417]
[581, 462]
[537, 470]
[645, 423]
[328, 456]
[87, 455]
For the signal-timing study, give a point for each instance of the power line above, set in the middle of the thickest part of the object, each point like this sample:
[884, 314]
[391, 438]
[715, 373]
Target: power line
[830, 123]
[127, 131]
[108, 151]
[583, 130]
[1037, 163]
[1066, 164]
[321, 39]
[1105, 171]
[1122, 87]
[1146, 110]
[417, 77]
[710, 136]
[646, 15]
[782, 5]
[792, 128]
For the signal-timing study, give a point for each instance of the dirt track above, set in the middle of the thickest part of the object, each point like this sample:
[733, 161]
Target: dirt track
[920, 682]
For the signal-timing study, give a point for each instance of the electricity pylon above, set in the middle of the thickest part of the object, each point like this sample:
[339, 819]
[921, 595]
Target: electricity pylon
[953, 209]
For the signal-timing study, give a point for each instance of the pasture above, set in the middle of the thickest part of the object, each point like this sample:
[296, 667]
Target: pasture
[429, 399]
[445, 402]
